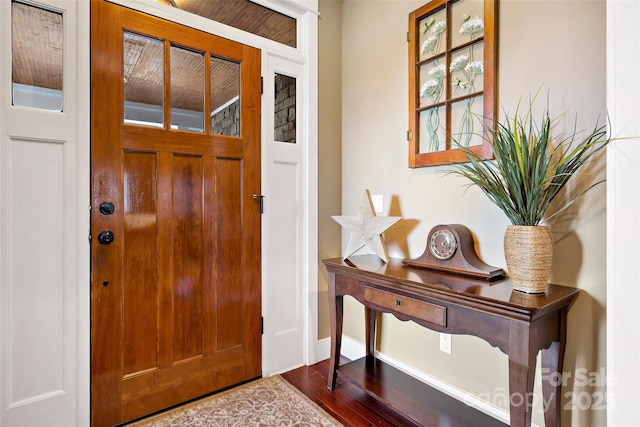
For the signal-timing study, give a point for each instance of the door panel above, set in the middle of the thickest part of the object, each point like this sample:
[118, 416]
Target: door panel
[176, 295]
[140, 277]
[285, 211]
[42, 225]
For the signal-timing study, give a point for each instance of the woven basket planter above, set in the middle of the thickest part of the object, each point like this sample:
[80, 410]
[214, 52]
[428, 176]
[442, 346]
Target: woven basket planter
[528, 251]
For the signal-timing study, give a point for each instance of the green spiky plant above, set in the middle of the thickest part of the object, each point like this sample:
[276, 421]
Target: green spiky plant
[530, 169]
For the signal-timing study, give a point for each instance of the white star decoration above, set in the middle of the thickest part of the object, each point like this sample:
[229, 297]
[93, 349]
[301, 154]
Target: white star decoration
[366, 229]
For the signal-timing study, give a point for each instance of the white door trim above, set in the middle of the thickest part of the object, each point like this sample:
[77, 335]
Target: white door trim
[309, 42]
[623, 211]
[84, 216]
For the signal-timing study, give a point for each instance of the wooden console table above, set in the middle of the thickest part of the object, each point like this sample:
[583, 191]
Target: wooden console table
[517, 323]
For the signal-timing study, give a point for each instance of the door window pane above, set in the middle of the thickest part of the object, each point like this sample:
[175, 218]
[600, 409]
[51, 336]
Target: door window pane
[187, 89]
[143, 77]
[285, 109]
[225, 97]
[36, 55]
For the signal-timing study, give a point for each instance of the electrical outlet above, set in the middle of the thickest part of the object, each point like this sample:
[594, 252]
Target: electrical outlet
[445, 343]
[377, 200]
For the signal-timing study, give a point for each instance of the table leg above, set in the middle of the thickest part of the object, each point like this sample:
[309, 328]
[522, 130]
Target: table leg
[335, 317]
[522, 367]
[370, 330]
[552, 358]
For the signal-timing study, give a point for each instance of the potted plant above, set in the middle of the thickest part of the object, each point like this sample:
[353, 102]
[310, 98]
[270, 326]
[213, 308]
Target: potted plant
[529, 171]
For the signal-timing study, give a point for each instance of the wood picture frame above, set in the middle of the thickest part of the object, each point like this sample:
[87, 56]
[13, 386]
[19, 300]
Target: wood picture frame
[452, 80]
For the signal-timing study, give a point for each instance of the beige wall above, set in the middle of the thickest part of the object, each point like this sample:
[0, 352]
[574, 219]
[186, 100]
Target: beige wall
[559, 45]
[329, 146]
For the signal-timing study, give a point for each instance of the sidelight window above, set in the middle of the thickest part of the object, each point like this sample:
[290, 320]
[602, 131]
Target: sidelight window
[36, 56]
[285, 109]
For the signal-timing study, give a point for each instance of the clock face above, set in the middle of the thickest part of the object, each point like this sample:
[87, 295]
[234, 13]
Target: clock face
[443, 244]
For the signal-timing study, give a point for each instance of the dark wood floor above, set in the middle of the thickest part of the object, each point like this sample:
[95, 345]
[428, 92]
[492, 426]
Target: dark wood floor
[348, 403]
[407, 401]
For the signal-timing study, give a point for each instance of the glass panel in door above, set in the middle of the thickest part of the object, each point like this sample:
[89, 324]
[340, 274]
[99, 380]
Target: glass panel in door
[143, 77]
[187, 89]
[225, 97]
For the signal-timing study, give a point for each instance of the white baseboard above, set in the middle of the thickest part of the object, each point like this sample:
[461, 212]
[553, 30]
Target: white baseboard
[353, 350]
[323, 349]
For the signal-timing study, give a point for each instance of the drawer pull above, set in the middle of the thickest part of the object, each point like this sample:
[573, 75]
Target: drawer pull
[398, 302]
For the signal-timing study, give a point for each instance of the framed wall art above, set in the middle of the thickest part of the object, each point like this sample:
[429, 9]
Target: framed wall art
[452, 80]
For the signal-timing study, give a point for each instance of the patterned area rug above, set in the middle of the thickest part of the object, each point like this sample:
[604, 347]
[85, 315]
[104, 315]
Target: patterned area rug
[265, 402]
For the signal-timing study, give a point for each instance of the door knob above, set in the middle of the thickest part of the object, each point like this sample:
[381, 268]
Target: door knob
[106, 208]
[105, 237]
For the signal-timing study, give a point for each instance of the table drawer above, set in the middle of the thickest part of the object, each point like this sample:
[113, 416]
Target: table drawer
[422, 310]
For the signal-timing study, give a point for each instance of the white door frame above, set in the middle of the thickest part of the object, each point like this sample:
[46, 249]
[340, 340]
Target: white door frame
[623, 211]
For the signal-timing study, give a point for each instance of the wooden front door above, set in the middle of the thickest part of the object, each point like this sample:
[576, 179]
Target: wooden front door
[175, 225]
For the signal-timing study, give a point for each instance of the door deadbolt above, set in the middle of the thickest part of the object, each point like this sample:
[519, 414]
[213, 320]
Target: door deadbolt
[105, 237]
[107, 208]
